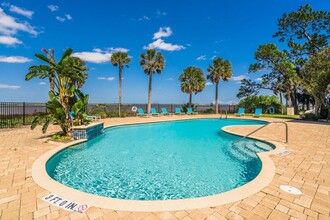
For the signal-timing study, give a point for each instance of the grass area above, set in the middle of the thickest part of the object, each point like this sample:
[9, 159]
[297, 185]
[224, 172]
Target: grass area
[275, 116]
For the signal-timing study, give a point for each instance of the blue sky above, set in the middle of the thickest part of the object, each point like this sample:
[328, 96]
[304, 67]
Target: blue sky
[186, 32]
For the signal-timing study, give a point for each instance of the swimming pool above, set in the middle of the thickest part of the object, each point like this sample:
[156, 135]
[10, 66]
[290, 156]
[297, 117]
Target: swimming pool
[160, 161]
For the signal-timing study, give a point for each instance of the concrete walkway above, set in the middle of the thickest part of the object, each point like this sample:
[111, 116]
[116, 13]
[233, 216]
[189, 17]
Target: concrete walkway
[307, 168]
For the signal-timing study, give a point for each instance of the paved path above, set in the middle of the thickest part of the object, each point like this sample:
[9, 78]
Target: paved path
[307, 167]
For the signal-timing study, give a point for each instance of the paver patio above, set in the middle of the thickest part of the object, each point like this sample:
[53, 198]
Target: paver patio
[307, 168]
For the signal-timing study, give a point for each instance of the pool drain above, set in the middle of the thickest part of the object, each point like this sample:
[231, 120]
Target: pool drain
[290, 189]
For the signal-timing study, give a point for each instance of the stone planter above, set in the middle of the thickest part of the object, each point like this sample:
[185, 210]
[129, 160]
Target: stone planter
[290, 111]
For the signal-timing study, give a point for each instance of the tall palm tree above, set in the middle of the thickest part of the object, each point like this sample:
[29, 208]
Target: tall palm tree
[220, 70]
[120, 59]
[192, 81]
[152, 62]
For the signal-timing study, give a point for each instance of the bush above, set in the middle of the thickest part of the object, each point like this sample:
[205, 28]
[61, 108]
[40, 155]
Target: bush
[209, 111]
[60, 138]
[252, 102]
[185, 106]
[310, 117]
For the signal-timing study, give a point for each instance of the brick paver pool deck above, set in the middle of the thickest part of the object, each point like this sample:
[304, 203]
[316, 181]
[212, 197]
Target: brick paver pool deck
[306, 167]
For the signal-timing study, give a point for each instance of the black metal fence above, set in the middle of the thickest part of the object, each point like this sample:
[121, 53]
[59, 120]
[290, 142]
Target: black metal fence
[14, 114]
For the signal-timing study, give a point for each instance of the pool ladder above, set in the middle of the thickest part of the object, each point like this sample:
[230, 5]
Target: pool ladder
[274, 122]
[221, 113]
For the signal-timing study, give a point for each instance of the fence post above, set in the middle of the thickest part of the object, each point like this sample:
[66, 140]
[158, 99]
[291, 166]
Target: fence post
[23, 113]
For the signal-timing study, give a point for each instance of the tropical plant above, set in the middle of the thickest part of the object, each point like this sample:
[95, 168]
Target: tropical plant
[55, 114]
[120, 59]
[152, 62]
[220, 70]
[192, 81]
[69, 74]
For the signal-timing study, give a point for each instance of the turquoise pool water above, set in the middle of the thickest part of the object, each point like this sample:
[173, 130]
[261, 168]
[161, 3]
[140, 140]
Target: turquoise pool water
[160, 161]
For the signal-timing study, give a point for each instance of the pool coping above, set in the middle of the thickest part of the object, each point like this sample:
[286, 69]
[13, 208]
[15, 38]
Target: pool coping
[267, 173]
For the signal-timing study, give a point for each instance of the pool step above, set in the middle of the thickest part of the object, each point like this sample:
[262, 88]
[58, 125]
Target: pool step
[247, 150]
[263, 146]
[238, 154]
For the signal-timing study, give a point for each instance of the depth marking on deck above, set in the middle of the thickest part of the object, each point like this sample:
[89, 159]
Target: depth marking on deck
[65, 203]
[283, 153]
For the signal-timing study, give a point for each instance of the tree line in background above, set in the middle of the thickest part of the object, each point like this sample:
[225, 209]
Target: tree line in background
[192, 79]
[301, 73]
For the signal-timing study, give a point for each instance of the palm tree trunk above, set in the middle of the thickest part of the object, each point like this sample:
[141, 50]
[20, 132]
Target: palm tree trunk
[149, 92]
[281, 100]
[51, 84]
[68, 125]
[190, 99]
[288, 100]
[120, 91]
[216, 98]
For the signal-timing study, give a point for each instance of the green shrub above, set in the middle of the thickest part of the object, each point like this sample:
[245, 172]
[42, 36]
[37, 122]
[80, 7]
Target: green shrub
[185, 106]
[310, 117]
[209, 111]
[252, 102]
[60, 138]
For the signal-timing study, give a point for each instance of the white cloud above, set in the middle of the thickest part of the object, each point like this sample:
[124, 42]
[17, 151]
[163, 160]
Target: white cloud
[170, 79]
[7, 40]
[106, 78]
[239, 78]
[21, 11]
[68, 16]
[53, 7]
[202, 57]
[208, 83]
[118, 49]
[160, 13]
[160, 44]
[258, 79]
[213, 57]
[219, 102]
[60, 19]
[219, 41]
[42, 83]
[232, 102]
[14, 59]
[163, 32]
[144, 18]
[97, 55]
[4, 86]
[9, 25]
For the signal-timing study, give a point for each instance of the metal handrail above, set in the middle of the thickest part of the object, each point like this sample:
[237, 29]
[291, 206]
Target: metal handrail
[274, 122]
[221, 113]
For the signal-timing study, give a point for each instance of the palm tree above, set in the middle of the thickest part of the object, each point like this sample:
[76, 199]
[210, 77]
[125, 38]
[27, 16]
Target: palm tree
[192, 81]
[220, 70]
[120, 59]
[152, 62]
